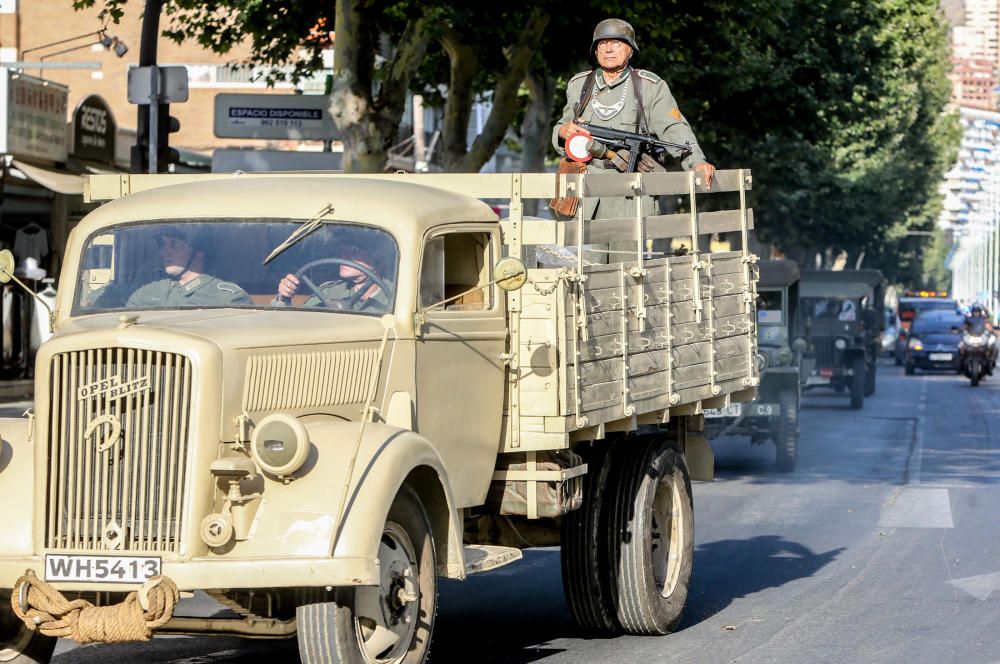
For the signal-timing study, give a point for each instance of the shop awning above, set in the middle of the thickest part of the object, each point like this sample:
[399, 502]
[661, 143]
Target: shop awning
[61, 182]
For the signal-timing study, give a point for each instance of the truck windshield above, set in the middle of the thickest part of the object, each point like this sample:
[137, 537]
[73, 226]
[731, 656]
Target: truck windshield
[831, 308]
[769, 310]
[219, 263]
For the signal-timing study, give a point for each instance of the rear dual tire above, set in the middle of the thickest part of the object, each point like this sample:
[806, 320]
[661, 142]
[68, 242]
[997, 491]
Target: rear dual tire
[634, 571]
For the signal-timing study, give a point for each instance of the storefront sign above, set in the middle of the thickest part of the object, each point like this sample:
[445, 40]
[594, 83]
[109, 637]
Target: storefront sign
[33, 118]
[297, 117]
[94, 131]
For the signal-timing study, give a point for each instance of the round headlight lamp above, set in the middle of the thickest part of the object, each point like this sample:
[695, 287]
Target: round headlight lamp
[279, 444]
[761, 361]
[785, 356]
[840, 344]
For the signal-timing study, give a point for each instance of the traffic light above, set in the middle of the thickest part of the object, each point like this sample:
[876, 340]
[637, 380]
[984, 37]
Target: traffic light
[166, 124]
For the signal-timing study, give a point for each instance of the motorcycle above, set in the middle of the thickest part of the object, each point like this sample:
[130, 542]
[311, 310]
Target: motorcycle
[978, 353]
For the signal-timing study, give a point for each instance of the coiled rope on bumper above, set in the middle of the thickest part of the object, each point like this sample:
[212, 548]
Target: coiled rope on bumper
[44, 609]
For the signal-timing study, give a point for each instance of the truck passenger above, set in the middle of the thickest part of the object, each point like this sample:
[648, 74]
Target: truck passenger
[186, 285]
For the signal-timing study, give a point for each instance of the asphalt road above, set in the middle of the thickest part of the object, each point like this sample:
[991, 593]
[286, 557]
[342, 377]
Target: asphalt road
[884, 546]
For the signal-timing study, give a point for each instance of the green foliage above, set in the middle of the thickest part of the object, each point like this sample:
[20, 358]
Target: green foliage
[836, 105]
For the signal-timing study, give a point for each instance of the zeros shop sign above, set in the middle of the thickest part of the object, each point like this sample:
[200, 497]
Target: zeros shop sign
[94, 131]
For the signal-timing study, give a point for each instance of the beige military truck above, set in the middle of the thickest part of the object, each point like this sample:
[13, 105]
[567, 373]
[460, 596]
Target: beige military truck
[422, 405]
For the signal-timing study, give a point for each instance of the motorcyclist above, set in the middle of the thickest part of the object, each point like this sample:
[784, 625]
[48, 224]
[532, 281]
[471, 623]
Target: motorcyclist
[978, 323]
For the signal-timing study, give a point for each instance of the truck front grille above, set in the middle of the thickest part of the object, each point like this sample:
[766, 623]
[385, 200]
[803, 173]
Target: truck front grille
[117, 450]
[826, 353]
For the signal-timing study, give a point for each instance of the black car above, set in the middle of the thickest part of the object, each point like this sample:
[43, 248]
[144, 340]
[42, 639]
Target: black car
[909, 308]
[933, 341]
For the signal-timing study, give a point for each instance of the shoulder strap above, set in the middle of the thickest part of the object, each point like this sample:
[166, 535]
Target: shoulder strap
[641, 126]
[585, 93]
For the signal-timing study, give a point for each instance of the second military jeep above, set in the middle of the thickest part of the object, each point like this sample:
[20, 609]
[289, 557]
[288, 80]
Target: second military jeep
[841, 317]
[774, 413]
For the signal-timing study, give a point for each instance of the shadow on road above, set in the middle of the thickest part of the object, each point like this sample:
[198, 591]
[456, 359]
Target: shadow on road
[726, 570]
[500, 617]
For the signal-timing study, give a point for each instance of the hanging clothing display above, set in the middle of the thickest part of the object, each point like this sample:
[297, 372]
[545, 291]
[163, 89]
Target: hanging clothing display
[32, 241]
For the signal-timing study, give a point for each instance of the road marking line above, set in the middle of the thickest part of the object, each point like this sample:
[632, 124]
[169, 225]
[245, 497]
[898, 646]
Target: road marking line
[910, 507]
[915, 459]
[980, 587]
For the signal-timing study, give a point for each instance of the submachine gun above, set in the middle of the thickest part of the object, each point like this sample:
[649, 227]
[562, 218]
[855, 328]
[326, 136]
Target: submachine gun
[611, 141]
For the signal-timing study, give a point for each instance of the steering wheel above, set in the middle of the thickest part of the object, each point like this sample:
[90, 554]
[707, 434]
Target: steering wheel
[346, 303]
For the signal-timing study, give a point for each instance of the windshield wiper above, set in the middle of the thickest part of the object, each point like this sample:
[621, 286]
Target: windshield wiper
[300, 232]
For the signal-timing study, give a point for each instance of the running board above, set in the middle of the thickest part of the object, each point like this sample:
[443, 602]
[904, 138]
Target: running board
[484, 557]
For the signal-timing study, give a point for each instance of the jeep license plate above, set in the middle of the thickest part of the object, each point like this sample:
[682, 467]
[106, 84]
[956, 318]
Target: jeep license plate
[101, 569]
[732, 410]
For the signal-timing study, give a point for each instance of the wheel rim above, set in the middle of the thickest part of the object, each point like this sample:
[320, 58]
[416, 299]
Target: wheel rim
[386, 615]
[667, 536]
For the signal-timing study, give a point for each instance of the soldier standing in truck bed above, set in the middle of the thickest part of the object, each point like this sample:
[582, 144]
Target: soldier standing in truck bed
[617, 96]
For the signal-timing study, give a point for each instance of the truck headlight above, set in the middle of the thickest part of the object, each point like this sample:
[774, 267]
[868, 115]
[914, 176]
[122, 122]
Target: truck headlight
[761, 362]
[279, 444]
[785, 356]
[840, 344]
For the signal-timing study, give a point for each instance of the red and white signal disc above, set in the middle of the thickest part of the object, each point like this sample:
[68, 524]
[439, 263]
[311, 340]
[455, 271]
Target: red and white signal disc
[576, 146]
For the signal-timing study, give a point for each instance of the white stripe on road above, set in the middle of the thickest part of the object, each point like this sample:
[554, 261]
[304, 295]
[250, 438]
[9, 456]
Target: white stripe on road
[980, 587]
[911, 507]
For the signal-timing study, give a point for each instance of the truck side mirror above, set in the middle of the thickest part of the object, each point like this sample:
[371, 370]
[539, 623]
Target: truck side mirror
[510, 273]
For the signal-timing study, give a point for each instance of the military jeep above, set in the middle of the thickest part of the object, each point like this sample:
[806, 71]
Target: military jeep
[841, 318]
[774, 413]
[315, 459]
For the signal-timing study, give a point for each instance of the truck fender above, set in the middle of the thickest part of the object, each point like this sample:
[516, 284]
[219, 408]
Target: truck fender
[17, 480]
[387, 457]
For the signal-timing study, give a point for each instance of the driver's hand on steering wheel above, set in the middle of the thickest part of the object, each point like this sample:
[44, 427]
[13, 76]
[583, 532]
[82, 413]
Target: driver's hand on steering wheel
[287, 287]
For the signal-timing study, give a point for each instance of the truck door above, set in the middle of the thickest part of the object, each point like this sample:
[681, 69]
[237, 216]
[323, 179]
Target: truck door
[460, 388]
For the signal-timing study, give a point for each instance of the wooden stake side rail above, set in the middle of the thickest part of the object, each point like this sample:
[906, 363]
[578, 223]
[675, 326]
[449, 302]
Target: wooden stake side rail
[477, 185]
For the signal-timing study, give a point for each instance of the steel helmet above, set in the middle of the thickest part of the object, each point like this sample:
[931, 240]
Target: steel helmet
[614, 28]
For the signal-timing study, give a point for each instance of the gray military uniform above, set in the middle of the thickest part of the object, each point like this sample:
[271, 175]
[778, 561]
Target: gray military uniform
[663, 118]
[202, 291]
[340, 291]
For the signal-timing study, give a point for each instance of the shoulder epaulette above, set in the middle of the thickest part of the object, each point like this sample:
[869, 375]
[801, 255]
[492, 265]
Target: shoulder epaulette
[648, 75]
[580, 75]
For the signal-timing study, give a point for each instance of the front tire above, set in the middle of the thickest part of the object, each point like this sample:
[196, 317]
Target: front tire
[869, 380]
[786, 434]
[910, 369]
[18, 644]
[858, 384]
[388, 624]
[975, 371]
[651, 535]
